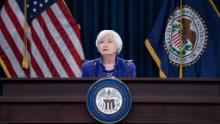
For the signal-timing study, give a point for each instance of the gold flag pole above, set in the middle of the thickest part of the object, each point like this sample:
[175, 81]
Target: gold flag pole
[181, 40]
[25, 56]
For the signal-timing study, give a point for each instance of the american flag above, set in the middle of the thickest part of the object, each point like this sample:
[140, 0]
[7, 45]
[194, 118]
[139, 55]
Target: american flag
[53, 46]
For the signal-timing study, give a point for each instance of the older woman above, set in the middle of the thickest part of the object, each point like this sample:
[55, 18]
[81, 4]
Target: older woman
[109, 45]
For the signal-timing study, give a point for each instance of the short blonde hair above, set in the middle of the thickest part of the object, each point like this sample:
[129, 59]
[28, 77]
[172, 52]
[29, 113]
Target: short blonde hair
[116, 38]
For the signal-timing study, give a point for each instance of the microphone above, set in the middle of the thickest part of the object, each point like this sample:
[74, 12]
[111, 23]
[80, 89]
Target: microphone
[128, 62]
[95, 63]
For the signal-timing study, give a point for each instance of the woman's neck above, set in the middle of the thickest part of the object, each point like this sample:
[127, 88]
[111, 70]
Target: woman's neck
[109, 62]
[109, 59]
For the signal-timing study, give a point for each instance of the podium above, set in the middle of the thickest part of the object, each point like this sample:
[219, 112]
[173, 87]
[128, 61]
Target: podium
[155, 101]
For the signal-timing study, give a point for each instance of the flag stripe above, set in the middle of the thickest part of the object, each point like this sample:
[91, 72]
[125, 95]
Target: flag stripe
[65, 11]
[14, 13]
[50, 47]
[74, 31]
[42, 65]
[176, 41]
[52, 42]
[65, 37]
[35, 68]
[10, 68]
[42, 50]
[11, 42]
[64, 49]
[16, 10]
[54, 46]
[20, 31]
[11, 57]
[174, 37]
[7, 34]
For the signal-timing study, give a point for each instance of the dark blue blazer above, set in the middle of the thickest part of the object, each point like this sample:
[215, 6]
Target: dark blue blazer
[95, 68]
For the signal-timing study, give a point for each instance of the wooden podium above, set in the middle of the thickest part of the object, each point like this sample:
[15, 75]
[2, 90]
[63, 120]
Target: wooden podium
[155, 101]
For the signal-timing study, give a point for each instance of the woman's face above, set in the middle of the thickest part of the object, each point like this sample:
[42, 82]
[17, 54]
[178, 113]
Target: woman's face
[107, 46]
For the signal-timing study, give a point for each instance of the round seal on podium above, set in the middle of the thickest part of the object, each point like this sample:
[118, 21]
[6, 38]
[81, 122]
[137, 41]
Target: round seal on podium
[109, 100]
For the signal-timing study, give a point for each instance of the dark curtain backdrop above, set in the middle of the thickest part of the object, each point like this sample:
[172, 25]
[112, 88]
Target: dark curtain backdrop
[132, 19]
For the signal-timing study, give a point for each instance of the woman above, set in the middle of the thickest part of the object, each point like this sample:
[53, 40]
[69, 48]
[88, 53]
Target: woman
[109, 45]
